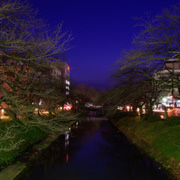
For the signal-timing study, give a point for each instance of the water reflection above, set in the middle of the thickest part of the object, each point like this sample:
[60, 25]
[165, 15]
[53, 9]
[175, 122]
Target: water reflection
[67, 145]
[66, 139]
[94, 150]
[67, 158]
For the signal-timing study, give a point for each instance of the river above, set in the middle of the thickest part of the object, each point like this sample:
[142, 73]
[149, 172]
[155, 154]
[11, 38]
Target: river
[94, 150]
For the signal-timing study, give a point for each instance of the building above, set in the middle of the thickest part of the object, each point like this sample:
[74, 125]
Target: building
[64, 69]
[16, 75]
[169, 77]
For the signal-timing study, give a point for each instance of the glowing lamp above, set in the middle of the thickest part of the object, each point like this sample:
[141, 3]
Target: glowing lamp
[162, 116]
[128, 108]
[68, 68]
[67, 107]
[164, 99]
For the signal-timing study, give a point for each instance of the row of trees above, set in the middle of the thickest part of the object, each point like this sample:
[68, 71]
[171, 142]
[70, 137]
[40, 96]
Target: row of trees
[82, 94]
[27, 46]
[29, 52]
[158, 41]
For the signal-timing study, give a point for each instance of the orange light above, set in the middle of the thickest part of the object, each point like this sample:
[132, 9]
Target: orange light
[128, 108]
[68, 68]
[162, 116]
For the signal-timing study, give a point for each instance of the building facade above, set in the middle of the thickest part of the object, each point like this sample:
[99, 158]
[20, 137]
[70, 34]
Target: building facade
[169, 78]
[20, 80]
[62, 69]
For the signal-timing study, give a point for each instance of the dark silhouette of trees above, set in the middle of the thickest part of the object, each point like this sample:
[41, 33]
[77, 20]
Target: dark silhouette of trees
[27, 45]
[83, 94]
[153, 47]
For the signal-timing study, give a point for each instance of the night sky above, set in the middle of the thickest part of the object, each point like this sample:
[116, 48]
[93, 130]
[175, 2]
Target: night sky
[101, 30]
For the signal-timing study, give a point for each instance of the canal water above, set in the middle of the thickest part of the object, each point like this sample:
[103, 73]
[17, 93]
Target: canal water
[94, 150]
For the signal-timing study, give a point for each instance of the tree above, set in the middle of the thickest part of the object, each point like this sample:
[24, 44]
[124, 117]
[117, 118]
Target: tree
[153, 47]
[160, 37]
[83, 94]
[160, 41]
[26, 50]
[138, 80]
[27, 45]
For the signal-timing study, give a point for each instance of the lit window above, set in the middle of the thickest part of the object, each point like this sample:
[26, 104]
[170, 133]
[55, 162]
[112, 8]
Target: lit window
[67, 82]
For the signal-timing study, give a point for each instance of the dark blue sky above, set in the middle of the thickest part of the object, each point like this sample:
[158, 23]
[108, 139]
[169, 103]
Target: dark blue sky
[101, 30]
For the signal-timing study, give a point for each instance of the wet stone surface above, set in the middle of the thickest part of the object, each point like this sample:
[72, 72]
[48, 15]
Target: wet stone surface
[94, 150]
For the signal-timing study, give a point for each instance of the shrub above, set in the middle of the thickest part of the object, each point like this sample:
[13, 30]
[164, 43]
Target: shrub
[152, 117]
[172, 121]
[121, 114]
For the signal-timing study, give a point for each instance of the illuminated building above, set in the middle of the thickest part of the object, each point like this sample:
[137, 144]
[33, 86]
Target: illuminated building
[170, 77]
[46, 74]
[64, 69]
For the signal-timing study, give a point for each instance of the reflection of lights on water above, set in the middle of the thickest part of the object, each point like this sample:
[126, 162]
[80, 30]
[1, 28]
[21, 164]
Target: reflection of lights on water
[66, 139]
[67, 157]
[66, 144]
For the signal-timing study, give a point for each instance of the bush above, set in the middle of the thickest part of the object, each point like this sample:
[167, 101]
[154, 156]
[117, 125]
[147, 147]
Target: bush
[151, 118]
[121, 114]
[172, 121]
[32, 136]
[82, 114]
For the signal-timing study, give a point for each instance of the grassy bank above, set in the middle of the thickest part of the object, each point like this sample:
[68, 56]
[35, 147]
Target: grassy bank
[160, 139]
[32, 136]
[18, 136]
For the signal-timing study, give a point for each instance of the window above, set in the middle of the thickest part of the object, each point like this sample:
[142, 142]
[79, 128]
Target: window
[67, 82]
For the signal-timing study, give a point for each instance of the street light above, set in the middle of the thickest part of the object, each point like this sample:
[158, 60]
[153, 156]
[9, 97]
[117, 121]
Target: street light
[164, 99]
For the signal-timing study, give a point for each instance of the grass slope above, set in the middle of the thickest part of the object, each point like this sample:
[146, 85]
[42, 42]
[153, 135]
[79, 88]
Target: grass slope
[160, 139]
[28, 138]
